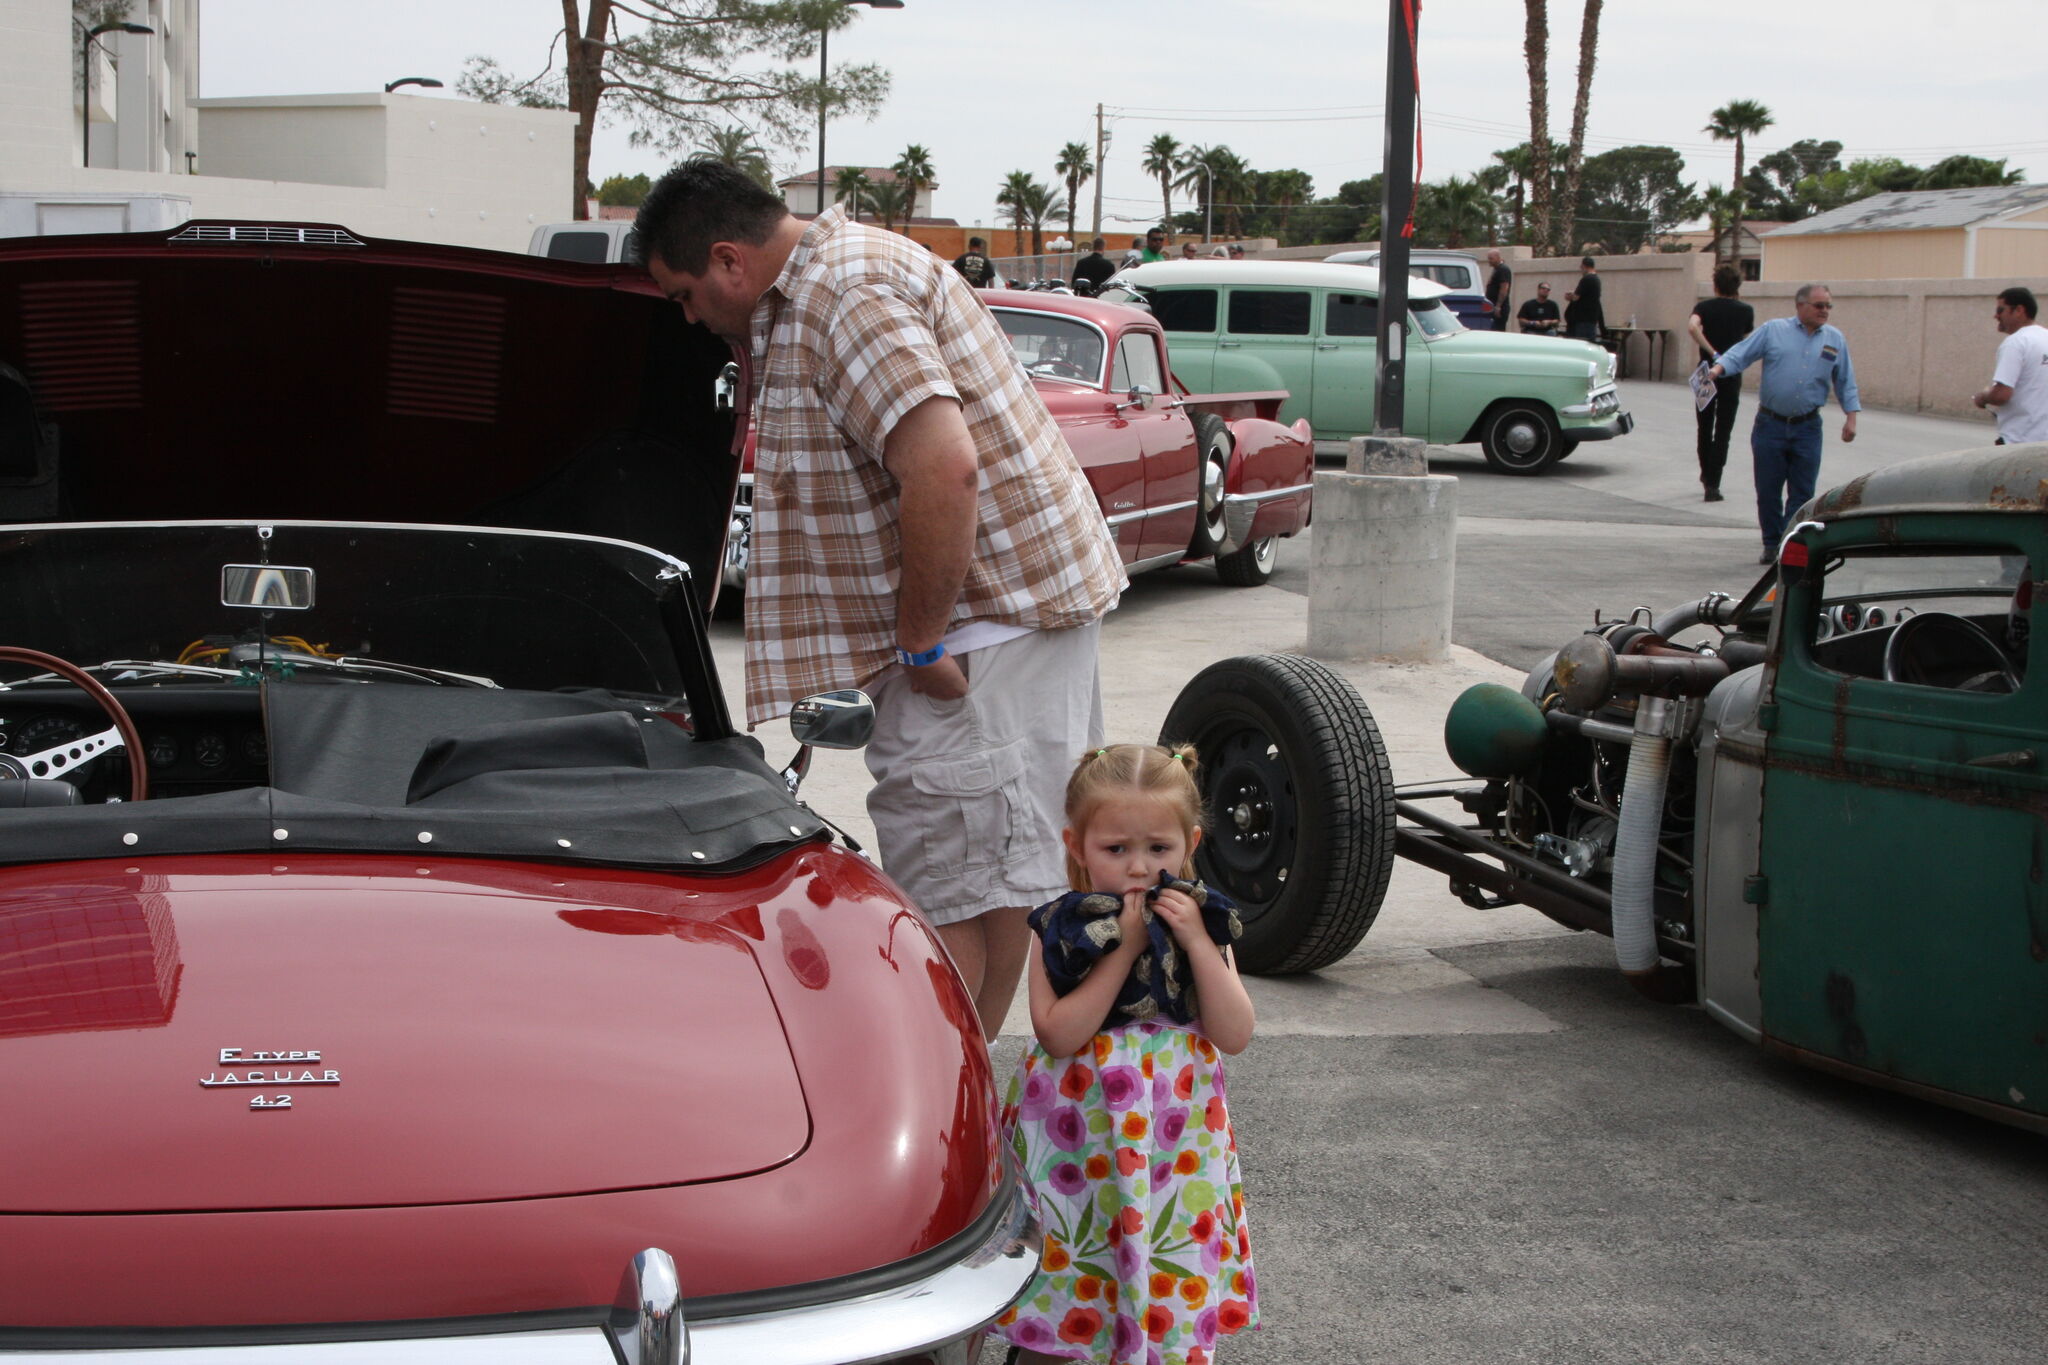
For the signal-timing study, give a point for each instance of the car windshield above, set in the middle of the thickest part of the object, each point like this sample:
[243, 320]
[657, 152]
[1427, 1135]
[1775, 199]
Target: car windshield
[511, 609]
[1053, 347]
[1433, 318]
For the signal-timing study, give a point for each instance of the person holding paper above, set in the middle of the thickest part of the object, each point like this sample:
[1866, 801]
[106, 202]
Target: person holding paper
[1715, 325]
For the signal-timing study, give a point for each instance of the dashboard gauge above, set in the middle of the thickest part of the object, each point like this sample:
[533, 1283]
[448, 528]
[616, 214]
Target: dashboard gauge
[163, 750]
[1825, 629]
[210, 750]
[1873, 617]
[255, 749]
[46, 732]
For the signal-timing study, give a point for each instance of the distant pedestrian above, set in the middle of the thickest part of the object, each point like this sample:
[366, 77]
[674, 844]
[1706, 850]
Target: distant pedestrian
[1715, 325]
[2019, 378]
[1237, 251]
[1539, 315]
[1189, 252]
[1583, 316]
[1091, 270]
[1155, 246]
[1500, 287]
[1803, 357]
[1135, 256]
[974, 265]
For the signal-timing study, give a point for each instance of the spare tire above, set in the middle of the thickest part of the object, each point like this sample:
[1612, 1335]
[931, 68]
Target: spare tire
[1300, 797]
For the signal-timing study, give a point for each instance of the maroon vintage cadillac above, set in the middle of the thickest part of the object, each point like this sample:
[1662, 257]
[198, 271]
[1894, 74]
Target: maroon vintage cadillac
[402, 957]
[1180, 477]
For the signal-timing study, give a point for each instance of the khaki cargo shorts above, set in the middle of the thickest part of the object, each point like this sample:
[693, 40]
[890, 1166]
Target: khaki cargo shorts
[970, 794]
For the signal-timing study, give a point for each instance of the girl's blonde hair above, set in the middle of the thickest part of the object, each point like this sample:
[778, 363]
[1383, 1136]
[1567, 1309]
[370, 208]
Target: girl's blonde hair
[1143, 772]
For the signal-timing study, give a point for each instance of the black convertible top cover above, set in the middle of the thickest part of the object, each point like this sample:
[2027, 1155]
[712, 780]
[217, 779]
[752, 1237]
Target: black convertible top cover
[466, 772]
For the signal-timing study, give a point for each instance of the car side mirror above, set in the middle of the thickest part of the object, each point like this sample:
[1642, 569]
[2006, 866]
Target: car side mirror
[266, 587]
[833, 720]
[1140, 397]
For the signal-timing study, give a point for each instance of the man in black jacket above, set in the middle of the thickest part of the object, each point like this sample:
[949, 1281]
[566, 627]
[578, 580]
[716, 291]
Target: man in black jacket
[1091, 270]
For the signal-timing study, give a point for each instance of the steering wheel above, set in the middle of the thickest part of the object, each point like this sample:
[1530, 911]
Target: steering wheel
[1064, 369]
[1941, 649]
[63, 758]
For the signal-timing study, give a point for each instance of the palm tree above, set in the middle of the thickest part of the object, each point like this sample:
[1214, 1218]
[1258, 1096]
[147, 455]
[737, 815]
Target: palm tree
[1734, 122]
[1515, 162]
[1536, 52]
[734, 145]
[892, 201]
[1012, 197]
[1723, 208]
[1575, 154]
[1162, 163]
[850, 187]
[1215, 175]
[1075, 168]
[1288, 188]
[1465, 207]
[1027, 204]
[915, 166]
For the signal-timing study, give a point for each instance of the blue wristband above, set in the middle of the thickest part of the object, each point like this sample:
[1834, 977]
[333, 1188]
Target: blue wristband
[929, 656]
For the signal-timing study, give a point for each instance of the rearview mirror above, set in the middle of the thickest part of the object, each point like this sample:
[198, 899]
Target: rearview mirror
[833, 720]
[266, 587]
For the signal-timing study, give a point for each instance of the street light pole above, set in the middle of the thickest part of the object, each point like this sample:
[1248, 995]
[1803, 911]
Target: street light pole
[824, 88]
[92, 36]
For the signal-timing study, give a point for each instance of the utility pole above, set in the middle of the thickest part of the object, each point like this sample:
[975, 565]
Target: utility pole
[1398, 161]
[1101, 148]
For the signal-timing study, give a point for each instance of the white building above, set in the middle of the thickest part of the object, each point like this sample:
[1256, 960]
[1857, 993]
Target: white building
[136, 147]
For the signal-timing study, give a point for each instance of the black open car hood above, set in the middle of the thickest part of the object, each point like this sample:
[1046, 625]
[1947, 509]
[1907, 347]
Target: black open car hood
[231, 370]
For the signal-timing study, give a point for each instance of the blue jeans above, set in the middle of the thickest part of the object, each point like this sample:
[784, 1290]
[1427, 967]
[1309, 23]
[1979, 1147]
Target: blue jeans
[1786, 460]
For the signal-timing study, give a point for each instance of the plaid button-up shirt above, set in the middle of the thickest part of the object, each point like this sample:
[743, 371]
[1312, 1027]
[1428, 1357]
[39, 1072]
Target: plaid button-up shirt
[860, 327]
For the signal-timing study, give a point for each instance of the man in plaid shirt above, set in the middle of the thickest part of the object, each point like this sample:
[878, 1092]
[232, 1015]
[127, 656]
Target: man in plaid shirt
[921, 531]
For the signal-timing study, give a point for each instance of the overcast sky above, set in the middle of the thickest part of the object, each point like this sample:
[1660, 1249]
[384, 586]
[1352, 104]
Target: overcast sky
[1299, 83]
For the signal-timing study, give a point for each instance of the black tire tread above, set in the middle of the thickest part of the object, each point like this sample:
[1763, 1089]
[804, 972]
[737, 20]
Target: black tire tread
[1241, 569]
[1349, 779]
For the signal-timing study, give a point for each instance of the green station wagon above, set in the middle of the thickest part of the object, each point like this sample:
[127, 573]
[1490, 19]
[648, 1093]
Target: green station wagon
[1311, 328]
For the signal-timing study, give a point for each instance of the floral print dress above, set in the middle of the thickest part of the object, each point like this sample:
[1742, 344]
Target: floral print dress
[1129, 1150]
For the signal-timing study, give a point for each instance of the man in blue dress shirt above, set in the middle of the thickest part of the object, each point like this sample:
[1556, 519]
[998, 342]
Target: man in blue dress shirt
[1802, 356]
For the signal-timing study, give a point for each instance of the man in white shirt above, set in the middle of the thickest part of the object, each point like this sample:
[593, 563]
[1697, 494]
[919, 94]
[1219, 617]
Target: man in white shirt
[2018, 390]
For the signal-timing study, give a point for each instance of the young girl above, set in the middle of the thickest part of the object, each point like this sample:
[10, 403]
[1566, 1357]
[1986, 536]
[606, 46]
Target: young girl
[1117, 1112]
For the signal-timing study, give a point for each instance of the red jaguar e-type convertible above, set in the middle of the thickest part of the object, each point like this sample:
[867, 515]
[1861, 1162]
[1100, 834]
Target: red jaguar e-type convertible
[401, 955]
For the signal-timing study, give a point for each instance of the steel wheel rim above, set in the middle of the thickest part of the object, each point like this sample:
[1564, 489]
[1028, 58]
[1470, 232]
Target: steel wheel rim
[1212, 494]
[1253, 816]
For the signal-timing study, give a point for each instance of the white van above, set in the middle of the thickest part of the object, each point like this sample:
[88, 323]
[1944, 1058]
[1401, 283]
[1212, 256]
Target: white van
[598, 242]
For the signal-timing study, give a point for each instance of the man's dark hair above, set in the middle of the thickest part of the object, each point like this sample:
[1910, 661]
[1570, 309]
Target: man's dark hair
[1585, 263]
[700, 202]
[975, 244]
[1095, 245]
[2020, 297]
[1727, 281]
[1155, 232]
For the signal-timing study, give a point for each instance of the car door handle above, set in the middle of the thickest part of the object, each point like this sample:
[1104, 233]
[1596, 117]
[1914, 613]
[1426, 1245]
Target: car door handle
[1228, 345]
[2011, 758]
[1326, 345]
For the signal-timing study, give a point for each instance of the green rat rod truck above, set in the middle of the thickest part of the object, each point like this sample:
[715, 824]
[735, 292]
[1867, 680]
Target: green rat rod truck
[1817, 809]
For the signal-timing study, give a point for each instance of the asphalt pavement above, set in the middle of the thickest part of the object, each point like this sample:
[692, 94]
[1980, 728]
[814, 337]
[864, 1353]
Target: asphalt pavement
[1470, 1140]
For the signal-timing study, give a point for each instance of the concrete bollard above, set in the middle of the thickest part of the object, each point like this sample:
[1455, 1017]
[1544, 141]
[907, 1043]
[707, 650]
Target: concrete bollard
[1386, 538]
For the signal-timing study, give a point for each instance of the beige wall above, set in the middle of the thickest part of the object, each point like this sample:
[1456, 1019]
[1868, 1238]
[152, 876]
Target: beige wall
[1924, 255]
[2012, 251]
[1918, 345]
[318, 145]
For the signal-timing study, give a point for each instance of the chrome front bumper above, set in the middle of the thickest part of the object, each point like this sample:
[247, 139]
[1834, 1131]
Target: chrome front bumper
[934, 1314]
